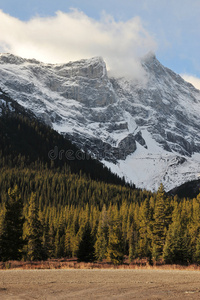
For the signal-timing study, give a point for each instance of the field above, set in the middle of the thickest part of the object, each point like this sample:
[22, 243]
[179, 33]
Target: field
[99, 284]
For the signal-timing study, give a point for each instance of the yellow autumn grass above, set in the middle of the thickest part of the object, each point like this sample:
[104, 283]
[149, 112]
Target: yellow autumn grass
[72, 263]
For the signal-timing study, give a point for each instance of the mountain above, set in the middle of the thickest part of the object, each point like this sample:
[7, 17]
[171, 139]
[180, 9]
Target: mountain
[148, 132]
[27, 143]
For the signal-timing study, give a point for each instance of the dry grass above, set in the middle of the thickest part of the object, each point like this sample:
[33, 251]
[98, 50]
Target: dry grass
[72, 263]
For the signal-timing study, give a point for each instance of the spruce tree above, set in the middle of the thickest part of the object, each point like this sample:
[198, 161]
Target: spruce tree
[34, 232]
[145, 239]
[131, 236]
[11, 231]
[161, 222]
[115, 243]
[194, 227]
[51, 242]
[102, 236]
[197, 252]
[86, 246]
[176, 245]
[101, 242]
[59, 244]
[68, 248]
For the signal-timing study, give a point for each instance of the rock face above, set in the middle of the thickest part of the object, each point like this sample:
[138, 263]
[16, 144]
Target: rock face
[149, 133]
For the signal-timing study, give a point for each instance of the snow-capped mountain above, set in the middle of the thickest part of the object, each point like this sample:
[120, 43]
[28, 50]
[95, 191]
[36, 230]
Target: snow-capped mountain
[148, 132]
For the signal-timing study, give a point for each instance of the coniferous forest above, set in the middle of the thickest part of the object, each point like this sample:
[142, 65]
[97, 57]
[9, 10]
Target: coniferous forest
[78, 208]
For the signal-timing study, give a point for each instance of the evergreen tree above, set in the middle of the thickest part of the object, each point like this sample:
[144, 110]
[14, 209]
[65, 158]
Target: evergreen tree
[115, 243]
[132, 243]
[68, 248]
[102, 236]
[193, 225]
[11, 229]
[161, 222]
[86, 245]
[176, 245]
[50, 242]
[101, 242]
[34, 232]
[197, 252]
[59, 244]
[145, 239]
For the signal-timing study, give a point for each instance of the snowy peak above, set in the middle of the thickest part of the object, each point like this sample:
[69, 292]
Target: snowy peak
[148, 133]
[153, 67]
[150, 57]
[85, 81]
[7, 58]
[93, 68]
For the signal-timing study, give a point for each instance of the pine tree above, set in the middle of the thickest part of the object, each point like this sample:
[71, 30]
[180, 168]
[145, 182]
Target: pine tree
[34, 232]
[50, 242]
[131, 236]
[102, 236]
[161, 222]
[45, 239]
[101, 242]
[11, 230]
[197, 252]
[145, 241]
[59, 244]
[86, 245]
[194, 227]
[68, 248]
[115, 243]
[176, 245]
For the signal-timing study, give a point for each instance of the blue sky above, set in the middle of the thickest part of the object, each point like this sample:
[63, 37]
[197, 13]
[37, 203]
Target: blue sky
[170, 28]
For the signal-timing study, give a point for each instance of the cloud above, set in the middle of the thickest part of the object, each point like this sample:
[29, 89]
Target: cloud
[73, 36]
[195, 81]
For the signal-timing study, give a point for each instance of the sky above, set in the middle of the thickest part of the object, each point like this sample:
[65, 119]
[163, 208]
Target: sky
[120, 31]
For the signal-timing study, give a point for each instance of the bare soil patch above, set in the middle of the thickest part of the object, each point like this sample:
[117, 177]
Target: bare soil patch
[99, 284]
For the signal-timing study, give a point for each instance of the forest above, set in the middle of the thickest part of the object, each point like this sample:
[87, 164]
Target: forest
[55, 208]
[109, 222]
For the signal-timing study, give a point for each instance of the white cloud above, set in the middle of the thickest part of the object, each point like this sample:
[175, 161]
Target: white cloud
[73, 36]
[195, 81]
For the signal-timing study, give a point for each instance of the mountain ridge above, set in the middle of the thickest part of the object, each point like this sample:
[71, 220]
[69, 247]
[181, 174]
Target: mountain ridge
[147, 131]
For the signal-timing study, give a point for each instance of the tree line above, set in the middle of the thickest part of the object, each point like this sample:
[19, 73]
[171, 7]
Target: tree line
[157, 227]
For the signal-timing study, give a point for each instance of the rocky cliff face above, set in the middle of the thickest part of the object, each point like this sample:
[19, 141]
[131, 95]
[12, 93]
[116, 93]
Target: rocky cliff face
[149, 133]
